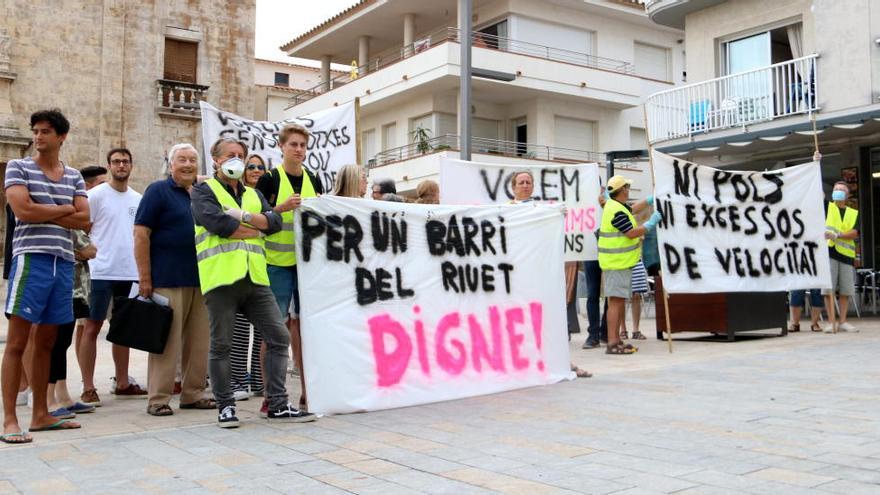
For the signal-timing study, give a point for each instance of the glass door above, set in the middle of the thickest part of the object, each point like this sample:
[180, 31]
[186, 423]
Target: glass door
[748, 90]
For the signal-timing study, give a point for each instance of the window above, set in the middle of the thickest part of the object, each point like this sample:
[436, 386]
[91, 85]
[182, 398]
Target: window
[425, 122]
[575, 134]
[181, 59]
[282, 79]
[486, 128]
[651, 61]
[389, 136]
[447, 123]
[368, 145]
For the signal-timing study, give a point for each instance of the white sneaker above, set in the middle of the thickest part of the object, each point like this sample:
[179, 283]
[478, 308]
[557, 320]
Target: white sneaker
[241, 395]
[829, 328]
[22, 398]
[847, 327]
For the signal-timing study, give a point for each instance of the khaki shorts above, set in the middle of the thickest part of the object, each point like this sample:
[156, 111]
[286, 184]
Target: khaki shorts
[617, 283]
[843, 279]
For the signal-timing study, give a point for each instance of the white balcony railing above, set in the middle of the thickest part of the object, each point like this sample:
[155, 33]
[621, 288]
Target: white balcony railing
[737, 100]
[479, 40]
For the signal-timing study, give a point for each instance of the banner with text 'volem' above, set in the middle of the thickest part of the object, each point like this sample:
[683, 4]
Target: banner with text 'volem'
[332, 143]
[729, 231]
[576, 186]
[406, 304]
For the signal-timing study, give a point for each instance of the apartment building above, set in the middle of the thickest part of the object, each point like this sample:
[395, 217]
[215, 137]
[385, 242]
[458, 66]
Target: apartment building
[569, 77]
[277, 82]
[761, 75]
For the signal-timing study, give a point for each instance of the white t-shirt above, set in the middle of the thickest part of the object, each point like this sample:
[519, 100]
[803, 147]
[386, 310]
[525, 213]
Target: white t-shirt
[112, 214]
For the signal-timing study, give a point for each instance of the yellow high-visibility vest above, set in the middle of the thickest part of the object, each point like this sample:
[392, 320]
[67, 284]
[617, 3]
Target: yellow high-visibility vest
[224, 261]
[616, 250]
[834, 223]
[281, 246]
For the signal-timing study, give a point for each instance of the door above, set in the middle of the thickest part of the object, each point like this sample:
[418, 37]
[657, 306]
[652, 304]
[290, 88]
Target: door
[748, 90]
[522, 137]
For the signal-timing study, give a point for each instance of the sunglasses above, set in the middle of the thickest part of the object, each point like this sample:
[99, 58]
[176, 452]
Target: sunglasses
[261, 168]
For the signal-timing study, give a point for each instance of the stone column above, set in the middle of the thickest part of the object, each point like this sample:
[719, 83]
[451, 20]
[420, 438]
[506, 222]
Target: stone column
[325, 72]
[364, 54]
[409, 33]
[11, 139]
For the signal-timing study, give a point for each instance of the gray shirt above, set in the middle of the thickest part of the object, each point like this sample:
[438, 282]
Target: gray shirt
[208, 213]
[44, 238]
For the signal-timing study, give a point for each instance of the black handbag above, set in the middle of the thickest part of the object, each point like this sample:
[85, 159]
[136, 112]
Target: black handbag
[139, 324]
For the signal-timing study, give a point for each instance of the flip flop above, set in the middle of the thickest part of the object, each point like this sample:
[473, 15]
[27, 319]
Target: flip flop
[58, 425]
[7, 438]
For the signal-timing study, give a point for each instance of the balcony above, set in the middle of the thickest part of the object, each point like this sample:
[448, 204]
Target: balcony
[738, 100]
[673, 12]
[180, 99]
[484, 146]
[479, 40]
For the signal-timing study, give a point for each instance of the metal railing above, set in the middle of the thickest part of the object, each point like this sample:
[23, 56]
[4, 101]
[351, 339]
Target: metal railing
[177, 95]
[737, 100]
[479, 40]
[450, 142]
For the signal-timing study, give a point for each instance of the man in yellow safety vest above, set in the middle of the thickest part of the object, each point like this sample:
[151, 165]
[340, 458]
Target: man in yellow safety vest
[284, 188]
[230, 221]
[619, 251]
[841, 232]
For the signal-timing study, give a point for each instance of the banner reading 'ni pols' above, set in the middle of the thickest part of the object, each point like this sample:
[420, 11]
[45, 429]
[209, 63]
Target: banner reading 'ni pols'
[575, 186]
[727, 231]
[331, 146]
[406, 304]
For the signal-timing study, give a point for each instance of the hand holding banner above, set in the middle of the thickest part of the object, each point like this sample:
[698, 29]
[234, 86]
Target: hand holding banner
[726, 231]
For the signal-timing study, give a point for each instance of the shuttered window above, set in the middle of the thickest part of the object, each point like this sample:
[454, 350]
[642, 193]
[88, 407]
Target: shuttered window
[181, 58]
[652, 61]
[574, 134]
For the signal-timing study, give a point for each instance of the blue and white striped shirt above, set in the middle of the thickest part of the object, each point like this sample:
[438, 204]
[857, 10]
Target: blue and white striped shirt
[46, 238]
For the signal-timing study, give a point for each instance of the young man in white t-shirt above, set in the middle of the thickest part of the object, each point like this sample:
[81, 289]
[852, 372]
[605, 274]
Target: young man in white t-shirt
[112, 206]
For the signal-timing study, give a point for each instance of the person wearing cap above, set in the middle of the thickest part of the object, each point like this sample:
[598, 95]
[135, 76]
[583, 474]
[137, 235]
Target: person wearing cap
[231, 221]
[841, 232]
[619, 251]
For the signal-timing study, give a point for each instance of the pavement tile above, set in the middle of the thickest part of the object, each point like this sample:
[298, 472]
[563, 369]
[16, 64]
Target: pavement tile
[788, 476]
[501, 482]
[847, 487]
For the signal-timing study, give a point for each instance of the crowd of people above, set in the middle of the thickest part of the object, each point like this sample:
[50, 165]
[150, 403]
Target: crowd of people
[220, 249]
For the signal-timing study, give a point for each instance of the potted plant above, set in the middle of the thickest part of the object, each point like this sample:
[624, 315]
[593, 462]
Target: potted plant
[421, 137]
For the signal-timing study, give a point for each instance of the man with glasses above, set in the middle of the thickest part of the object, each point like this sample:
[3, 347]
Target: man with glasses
[112, 206]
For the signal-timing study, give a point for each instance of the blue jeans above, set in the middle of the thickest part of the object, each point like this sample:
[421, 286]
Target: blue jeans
[798, 298]
[598, 327]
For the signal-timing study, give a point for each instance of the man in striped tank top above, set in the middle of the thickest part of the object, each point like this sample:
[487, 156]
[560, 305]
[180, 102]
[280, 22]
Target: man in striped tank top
[49, 199]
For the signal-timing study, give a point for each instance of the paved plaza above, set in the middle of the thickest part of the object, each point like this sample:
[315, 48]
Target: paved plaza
[799, 414]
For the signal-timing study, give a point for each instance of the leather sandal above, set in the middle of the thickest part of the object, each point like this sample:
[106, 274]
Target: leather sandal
[200, 404]
[159, 410]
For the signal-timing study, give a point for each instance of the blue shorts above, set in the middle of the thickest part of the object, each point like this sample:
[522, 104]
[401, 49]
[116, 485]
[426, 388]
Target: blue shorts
[102, 294]
[798, 297]
[283, 282]
[40, 289]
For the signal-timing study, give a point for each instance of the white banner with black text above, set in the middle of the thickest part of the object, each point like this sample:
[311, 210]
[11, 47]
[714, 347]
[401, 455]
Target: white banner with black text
[729, 231]
[406, 304]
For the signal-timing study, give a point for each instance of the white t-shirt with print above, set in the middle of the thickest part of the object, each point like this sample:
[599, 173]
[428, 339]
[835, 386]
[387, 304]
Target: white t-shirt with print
[112, 215]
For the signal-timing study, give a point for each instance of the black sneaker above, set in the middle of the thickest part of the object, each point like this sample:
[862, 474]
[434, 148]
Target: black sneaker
[227, 418]
[290, 414]
[589, 344]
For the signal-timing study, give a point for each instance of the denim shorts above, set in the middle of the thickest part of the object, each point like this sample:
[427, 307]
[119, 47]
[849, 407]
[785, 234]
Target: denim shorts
[103, 292]
[285, 287]
[40, 289]
[798, 297]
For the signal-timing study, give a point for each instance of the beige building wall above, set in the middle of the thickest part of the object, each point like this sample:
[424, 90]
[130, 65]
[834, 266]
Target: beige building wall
[99, 62]
[842, 32]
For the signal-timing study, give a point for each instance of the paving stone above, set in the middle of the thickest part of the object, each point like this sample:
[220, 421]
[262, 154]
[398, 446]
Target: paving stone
[788, 476]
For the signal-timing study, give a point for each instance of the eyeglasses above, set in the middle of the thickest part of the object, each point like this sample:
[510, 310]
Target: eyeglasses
[120, 161]
[261, 168]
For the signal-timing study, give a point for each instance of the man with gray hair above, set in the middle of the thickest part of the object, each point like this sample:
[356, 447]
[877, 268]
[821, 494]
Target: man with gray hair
[165, 252]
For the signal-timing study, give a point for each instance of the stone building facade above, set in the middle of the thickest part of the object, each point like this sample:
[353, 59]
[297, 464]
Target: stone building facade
[125, 73]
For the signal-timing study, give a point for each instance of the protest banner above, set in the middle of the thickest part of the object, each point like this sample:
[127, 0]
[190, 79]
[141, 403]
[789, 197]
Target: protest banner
[332, 145]
[575, 186]
[406, 304]
[728, 231]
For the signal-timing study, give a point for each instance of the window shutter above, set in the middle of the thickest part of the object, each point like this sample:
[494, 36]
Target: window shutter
[181, 59]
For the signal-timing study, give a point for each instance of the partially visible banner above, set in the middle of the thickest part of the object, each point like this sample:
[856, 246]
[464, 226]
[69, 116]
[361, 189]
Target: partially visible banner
[406, 304]
[332, 145]
[727, 231]
[575, 186]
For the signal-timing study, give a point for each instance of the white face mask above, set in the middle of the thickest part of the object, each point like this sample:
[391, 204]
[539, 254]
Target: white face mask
[233, 168]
